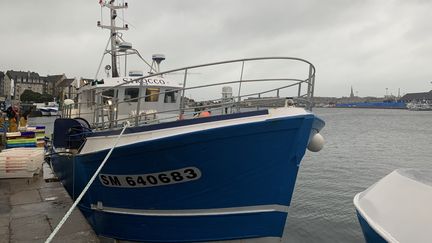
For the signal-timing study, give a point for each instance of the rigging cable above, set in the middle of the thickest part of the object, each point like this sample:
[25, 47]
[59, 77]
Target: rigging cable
[103, 55]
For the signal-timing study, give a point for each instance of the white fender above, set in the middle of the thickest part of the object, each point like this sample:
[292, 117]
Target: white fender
[316, 143]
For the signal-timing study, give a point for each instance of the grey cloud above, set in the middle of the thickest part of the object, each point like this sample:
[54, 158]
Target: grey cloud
[370, 44]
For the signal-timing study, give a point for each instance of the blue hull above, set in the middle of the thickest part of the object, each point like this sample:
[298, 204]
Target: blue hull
[226, 183]
[370, 235]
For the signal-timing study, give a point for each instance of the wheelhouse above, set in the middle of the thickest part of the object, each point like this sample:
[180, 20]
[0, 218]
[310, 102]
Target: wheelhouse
[121, 96]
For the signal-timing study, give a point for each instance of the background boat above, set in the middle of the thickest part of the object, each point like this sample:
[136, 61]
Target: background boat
[419, 106]
[48, 109]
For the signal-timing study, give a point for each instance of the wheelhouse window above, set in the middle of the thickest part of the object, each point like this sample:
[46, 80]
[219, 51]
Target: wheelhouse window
[131, 94]
[171, 96]
[107, 95]
[91, 97]
[152, 94]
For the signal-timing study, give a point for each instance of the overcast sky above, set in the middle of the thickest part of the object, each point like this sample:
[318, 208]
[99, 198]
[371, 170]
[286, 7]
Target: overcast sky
[368, 44]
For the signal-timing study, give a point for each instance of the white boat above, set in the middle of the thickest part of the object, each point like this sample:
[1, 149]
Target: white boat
[398, 208]
[49, 109]
[419, 106]
[54, 111]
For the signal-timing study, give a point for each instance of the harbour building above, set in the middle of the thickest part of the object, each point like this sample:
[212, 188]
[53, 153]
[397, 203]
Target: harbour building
[418, 97]
[16, 82]
[2, 75]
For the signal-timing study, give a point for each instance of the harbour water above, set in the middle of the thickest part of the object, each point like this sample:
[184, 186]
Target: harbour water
[362, 146]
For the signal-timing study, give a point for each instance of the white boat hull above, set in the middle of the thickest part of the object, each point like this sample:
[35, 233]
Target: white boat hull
[397, 208]
[53, 113]
[49, 111]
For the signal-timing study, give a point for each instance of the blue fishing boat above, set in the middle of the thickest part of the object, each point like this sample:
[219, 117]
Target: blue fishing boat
[182, 170]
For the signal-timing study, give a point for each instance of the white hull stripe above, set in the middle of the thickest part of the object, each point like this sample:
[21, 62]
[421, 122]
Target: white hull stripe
[195, 212]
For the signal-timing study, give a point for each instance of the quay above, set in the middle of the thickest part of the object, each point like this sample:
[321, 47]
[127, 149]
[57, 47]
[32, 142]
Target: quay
[31, 208]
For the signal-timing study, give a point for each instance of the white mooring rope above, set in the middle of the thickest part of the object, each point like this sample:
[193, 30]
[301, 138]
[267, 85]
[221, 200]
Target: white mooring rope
[69, 212]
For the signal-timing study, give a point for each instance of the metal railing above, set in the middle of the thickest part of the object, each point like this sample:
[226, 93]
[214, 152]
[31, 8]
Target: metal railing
[105, 115]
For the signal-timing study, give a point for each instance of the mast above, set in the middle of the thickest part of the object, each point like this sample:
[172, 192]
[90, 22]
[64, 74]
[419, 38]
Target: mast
[113, 32]
[113, 14]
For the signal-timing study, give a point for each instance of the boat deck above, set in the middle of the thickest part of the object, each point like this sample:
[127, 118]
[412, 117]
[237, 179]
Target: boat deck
[31, 208]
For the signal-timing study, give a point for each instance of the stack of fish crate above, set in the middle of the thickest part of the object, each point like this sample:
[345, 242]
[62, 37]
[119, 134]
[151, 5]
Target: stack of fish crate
[32, 136]
[20, 139]
[21, 162]
[39, 134]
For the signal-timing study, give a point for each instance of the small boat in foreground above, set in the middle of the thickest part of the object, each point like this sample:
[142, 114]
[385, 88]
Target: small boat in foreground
[397, 208]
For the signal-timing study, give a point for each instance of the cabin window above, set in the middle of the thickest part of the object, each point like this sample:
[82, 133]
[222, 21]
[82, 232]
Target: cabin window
[107, 95]
[152, 94]
[91, 97]
[170, 96]
[131, 94]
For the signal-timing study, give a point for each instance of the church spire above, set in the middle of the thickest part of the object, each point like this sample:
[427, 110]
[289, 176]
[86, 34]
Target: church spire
[352, 93]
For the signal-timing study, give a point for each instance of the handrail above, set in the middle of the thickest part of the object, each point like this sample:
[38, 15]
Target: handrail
[210, 85]
[213, 64]
[304, 94]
